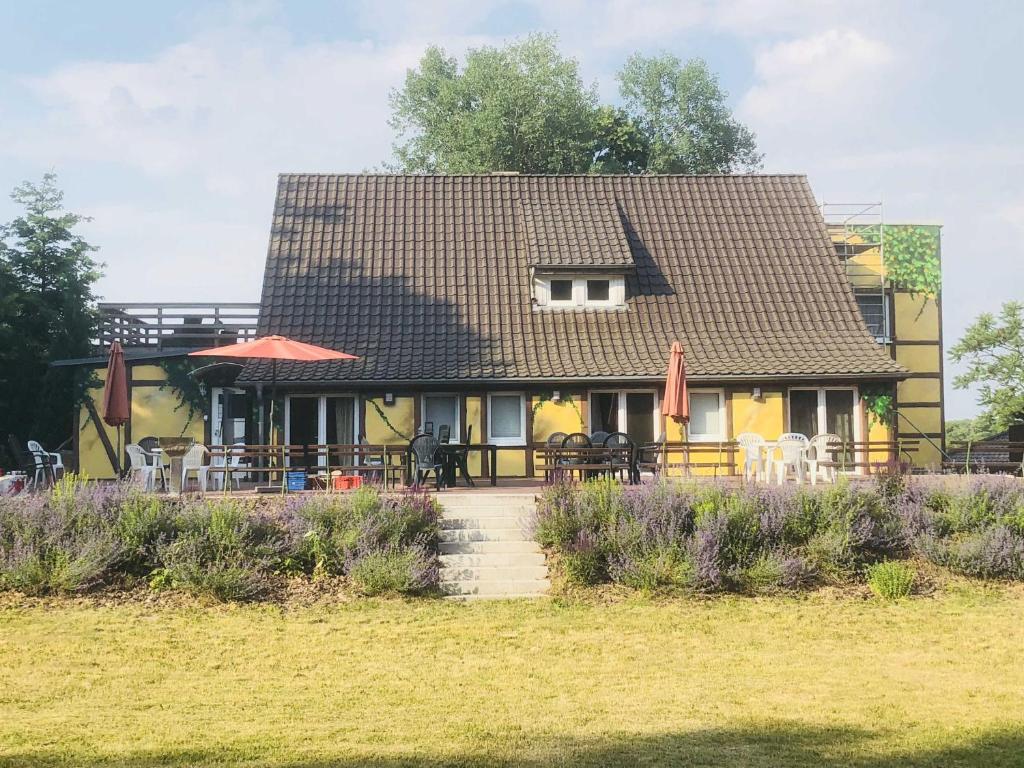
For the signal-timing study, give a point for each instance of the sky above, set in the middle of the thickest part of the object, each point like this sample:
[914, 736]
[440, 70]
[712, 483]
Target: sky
[168, 123]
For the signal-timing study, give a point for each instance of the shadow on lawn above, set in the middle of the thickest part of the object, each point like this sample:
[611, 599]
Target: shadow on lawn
[762, 745]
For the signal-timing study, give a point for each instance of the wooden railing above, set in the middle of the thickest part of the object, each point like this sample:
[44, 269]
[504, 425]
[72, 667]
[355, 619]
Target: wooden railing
[985, 456]
[177, 325]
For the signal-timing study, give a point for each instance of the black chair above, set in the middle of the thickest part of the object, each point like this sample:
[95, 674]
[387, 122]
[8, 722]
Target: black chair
[460, 459]
[426, 458]
[555, 439]
[599, 437]
[648, 456]
[428, 428]
[575, 442]
[622, 444]
[444, 433]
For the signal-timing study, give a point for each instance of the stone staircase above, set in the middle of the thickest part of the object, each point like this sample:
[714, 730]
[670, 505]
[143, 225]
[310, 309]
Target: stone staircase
[486, 548]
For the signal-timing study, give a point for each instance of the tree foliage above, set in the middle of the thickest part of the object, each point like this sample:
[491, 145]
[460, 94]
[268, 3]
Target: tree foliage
[681, 110]
[524, 107]
[993, 348]
[46, 313]
[911, 254]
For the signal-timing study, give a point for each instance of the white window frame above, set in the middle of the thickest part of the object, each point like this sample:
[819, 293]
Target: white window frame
[616, 291]
[321, 416]
[822, 414]
[521, 438]
[456, 435]
[722, 427]
[621, 393]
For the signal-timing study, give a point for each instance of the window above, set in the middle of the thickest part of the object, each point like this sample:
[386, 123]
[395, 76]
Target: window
[874, 311]
[597, 290]
[561, 290]
[635, 413]
[707, 416]
[439, 411]
[506, 419]
[580, 291]
[319, 420]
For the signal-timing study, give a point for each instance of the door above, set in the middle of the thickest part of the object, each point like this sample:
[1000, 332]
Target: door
[303, 428]
[817, 411]
[230, 407]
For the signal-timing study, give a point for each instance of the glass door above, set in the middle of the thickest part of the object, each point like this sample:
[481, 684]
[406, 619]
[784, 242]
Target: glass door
[303, 428]
[624, 411]
[831, 410]
[839, 412]
[803, 411]
[228, 422]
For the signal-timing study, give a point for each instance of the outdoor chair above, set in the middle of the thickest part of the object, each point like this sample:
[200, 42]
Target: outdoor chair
[444, 433]
[140, 468]
[192, 462]
[460, 458]
[648, 456]
[620, 464]
[598, 438]
[791, 448]
[426, 458]
[232, 460]
[753, 459]
[25, 461]
[428, 428]
[151, 447]
[555, 439]
[820, 460]
[372, 461]
[53, 459]
[575, 442]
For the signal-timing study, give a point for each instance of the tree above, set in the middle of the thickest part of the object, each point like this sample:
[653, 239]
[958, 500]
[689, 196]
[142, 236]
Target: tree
[518, 108]
[46, 313]
[682, 111]
[524, 107]
[994, 351]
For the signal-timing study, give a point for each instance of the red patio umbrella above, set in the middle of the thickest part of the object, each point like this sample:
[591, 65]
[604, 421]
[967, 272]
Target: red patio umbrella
[274, 348]
[676, 403]
[116, 409]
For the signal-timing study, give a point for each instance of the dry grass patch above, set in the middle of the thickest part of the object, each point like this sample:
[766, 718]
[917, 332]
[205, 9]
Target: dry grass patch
[745, 682]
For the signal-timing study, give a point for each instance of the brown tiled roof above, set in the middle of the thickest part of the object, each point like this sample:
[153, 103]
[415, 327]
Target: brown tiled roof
[427, 278]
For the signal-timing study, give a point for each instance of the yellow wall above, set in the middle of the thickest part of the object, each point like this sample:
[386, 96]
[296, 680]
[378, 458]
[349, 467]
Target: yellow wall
[563, 416]
[919, 359]
[473, 416]
[401, 414]
[925, 419]
[917, 318]
[92, 457]
[766, 416]
[919, 391]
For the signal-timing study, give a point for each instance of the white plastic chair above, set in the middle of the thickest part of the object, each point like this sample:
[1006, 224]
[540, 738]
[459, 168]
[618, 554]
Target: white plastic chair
[234, 462]
[820, 459]
[42, 457]
[792, 448]
[193, 462]
[140, 467]
[753, 462]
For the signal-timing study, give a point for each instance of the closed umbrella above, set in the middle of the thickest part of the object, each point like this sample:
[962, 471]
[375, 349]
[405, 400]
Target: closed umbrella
[116, 409]
[676, 403]
[275, 348]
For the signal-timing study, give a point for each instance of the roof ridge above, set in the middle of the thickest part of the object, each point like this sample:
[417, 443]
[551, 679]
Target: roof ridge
[506, 175]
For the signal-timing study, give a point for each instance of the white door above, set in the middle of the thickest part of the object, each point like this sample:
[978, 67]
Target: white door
[228, 418]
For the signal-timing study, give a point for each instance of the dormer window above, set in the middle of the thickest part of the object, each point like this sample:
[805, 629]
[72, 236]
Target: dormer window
[580, 291]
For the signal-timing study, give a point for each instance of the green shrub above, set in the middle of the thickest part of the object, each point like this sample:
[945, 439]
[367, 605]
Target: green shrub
[583, 567]
[665, 568]
[891, 579]
[396, 570]
[831, 554]
[143, 522]
[764, 575]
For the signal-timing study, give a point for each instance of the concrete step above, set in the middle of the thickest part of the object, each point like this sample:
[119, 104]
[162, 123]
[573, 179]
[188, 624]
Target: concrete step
[473, 598]
[455, 513]
[484, 534]
[486, 547]
[514, 573]
[511, 588]
[518, 522]
[492, 559]
[485, 499]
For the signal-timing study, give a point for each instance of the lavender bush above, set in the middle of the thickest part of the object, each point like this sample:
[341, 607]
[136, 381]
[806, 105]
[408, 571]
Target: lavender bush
[84, 534]
[713, 537]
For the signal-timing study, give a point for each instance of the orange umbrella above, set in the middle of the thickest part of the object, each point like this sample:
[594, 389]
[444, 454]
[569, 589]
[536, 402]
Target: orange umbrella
[274, 348]
[116, 409]
[676, 403]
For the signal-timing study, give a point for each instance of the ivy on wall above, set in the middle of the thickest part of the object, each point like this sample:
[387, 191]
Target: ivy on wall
[190, 392]
[385, 419]
[547, 397]
[878, 401]
[911, 256]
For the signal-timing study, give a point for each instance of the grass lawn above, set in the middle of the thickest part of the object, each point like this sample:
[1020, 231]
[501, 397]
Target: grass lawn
[731, 681]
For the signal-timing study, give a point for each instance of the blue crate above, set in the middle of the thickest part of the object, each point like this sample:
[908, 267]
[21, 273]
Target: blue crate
[296, 480]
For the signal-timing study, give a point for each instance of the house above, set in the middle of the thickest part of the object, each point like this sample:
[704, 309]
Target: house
[512, 306]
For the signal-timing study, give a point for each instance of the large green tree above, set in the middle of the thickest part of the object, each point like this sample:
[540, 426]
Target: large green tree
[682, 111]
[47, 313]
[524, 107]
[993, 349]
